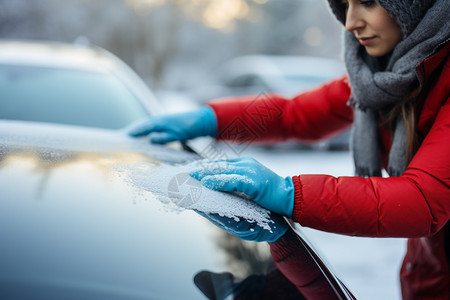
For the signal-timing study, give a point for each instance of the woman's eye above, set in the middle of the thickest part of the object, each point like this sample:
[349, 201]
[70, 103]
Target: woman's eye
[368, 3]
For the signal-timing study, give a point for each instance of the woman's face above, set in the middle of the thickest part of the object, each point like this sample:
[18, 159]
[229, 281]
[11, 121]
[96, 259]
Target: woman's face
[378, 32]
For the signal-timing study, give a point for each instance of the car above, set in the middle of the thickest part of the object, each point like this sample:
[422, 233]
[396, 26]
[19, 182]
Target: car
[286, 75]
[72, 85]
[88, 212]
[80, 219]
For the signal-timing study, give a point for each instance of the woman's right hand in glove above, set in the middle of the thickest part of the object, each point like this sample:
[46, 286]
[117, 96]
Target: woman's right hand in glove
[248, 230]
[178, 127]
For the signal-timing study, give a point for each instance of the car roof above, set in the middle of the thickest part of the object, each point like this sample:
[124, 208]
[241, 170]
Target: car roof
[74, 222]
[54, 54]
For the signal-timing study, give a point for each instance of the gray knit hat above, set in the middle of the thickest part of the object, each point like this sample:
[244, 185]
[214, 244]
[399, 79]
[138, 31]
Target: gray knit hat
[407, 13]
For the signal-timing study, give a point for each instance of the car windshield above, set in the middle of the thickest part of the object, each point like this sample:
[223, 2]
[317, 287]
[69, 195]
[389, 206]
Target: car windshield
[67, 96]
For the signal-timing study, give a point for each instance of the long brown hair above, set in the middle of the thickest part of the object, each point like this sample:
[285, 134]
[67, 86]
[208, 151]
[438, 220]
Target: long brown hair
[406, 110]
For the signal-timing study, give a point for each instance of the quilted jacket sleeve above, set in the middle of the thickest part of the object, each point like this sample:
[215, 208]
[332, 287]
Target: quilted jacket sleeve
[311, 116]
[415, 204]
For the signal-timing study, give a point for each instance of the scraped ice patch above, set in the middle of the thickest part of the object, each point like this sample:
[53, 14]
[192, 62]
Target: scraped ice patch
[173, 185]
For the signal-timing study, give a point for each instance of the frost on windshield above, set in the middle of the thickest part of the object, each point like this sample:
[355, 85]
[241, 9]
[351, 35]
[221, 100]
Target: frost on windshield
[173, 186]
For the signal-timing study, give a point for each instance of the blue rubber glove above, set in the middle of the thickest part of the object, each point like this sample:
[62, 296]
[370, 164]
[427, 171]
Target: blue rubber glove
[178, 127]
[249, 231]
[248, 176]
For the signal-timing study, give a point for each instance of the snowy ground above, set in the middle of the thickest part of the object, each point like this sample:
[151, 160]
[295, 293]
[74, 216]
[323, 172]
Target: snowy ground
[368, 266]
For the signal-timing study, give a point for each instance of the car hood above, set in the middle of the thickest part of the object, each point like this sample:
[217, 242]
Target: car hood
[73, 224]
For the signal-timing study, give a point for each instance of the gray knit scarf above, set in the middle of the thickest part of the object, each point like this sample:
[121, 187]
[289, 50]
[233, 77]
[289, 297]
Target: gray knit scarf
[376, 89]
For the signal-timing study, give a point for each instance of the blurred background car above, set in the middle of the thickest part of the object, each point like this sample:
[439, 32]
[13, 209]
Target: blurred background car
[79, 217]
[255, 74]
[264, 74]
[72, 85]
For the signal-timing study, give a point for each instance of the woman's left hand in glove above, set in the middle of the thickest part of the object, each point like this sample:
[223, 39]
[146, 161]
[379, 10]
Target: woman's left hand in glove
[248, 176]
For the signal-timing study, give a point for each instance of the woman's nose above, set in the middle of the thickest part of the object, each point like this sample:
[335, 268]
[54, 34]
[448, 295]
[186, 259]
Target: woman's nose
[353, 19]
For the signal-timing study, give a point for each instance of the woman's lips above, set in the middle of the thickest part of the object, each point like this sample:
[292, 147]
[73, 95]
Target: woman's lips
[366, 40]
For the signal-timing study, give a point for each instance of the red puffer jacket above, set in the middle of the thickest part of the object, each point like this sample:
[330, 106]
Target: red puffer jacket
[415, 205]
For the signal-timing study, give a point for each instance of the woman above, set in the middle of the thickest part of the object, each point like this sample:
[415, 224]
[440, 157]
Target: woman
[396, 96]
